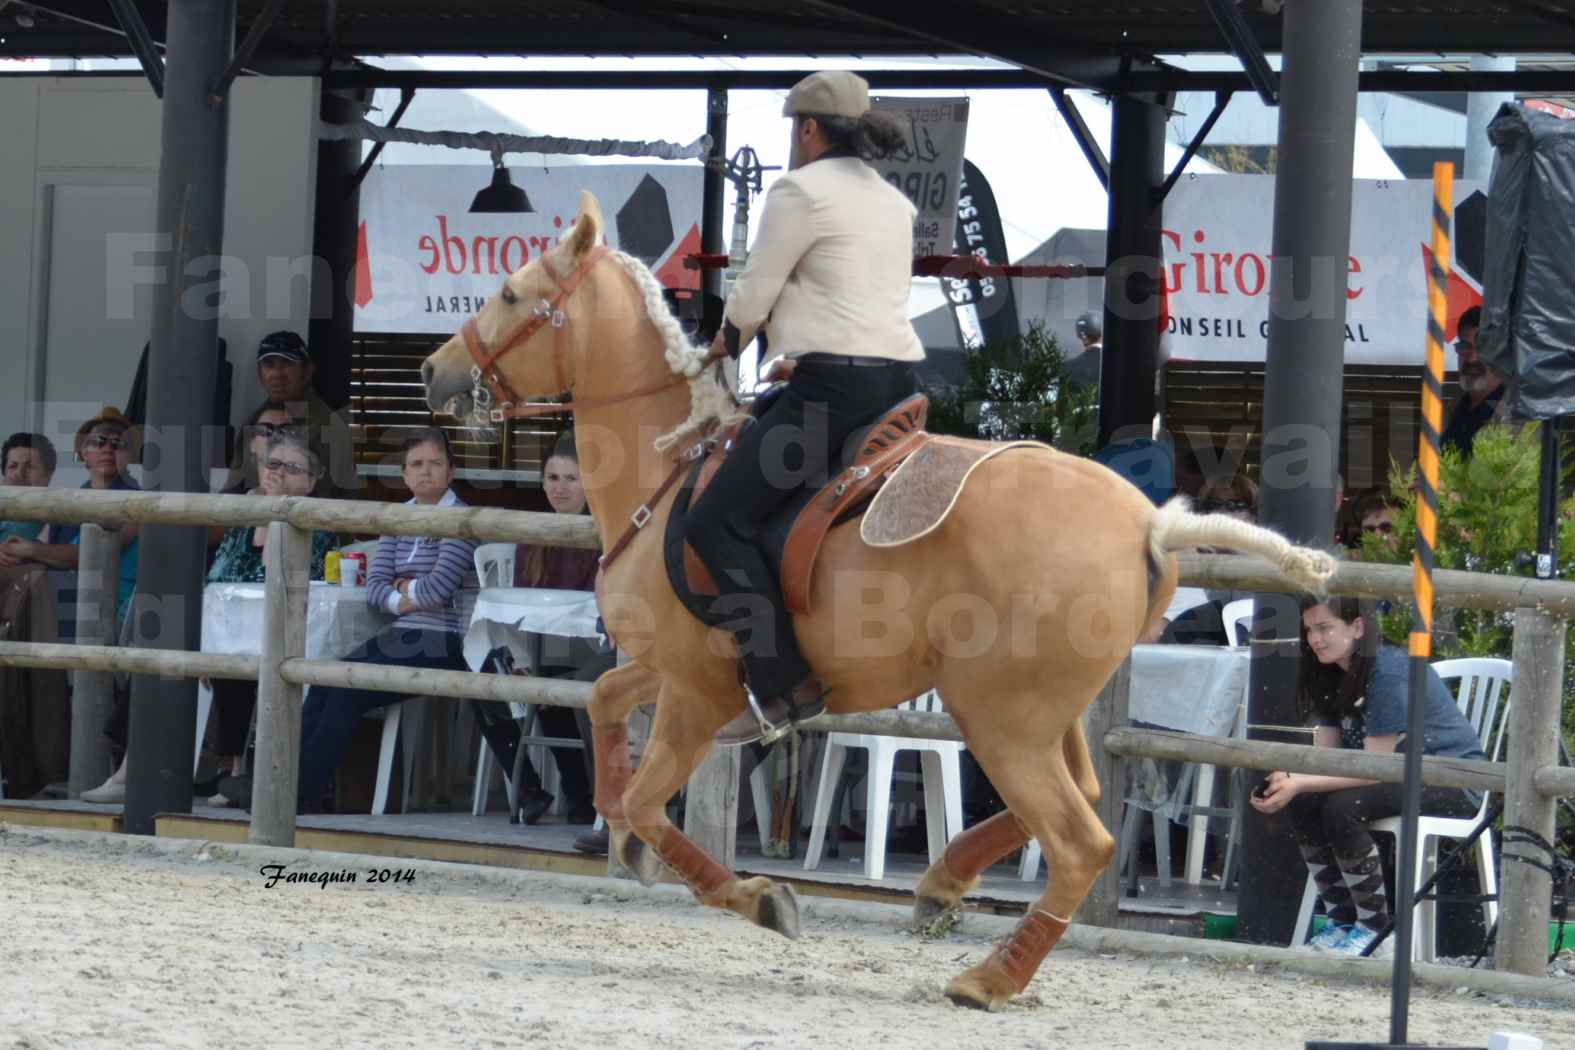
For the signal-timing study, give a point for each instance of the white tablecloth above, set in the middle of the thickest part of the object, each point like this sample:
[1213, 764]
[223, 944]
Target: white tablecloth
[504, 616]
[337, 619]
[1192, 688]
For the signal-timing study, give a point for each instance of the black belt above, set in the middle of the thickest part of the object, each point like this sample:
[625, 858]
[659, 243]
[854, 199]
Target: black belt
[848, 359]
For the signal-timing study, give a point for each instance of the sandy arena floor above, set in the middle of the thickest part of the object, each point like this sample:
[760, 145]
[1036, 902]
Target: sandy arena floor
[108, 943]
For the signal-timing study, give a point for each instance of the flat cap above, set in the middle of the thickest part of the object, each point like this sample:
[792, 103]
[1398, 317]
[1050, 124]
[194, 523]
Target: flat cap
[829, 93]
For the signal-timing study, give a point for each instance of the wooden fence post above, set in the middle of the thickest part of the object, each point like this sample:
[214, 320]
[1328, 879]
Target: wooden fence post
[711, 806]
[1109, 710]
[276, 772]
[93, 692]
[1525, 890]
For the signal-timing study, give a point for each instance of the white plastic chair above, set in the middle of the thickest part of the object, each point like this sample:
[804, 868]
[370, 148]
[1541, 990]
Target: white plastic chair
[486, 763]
[495, 565]
[942, 767]
[393, 718]
[1483, 697]
[1237, 618]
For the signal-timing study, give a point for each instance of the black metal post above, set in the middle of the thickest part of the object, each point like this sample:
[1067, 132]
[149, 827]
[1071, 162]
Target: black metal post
[181, 376]
[331, 329]
[1302, 393]
[714, 190]
[1130, 359]
[1548, 503]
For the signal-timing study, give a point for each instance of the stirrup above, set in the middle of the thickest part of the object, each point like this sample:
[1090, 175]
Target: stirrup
[764, 731]
[770, 732]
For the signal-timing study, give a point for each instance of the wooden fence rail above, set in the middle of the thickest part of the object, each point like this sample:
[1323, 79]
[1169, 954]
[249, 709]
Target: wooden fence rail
[1530, 779]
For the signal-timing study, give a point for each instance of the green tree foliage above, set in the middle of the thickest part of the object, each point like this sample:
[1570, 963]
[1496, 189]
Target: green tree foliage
[1487, 522]
[1016, 389]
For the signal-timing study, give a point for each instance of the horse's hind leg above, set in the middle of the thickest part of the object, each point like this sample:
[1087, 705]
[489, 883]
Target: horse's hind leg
[613, 698]
[955, 875]
[1043, 792]
[681, 738]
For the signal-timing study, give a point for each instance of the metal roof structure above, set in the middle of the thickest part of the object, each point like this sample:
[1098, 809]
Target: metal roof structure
[1110, 45]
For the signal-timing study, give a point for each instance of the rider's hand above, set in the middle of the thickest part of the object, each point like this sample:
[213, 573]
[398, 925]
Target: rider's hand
[781, 370]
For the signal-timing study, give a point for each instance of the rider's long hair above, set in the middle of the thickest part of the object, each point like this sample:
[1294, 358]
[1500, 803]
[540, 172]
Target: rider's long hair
[874, 136]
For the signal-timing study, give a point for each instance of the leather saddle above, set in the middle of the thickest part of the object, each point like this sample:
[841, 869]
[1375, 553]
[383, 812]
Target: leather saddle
[793, 536]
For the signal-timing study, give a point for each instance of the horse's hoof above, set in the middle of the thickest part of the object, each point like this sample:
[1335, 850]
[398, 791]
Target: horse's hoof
[971, 989]
[639, 859]
[928, 910]
[777, 910]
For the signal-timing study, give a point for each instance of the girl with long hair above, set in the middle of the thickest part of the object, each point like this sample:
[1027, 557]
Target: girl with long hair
[1356, 690]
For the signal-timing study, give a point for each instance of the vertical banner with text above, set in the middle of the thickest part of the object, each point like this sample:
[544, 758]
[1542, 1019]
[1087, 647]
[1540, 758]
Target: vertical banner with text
[927, 168]
[983, 308]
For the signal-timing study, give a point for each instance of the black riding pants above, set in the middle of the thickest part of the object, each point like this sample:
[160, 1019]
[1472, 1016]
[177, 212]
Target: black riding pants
[1339, 818]
[798, 442]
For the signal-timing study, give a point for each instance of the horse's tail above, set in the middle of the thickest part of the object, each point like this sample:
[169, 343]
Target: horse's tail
[1175, 527]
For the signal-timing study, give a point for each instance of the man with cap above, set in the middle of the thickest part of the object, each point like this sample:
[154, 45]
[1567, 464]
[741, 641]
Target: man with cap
[284, 371]
[1083, 370]
[827, 281]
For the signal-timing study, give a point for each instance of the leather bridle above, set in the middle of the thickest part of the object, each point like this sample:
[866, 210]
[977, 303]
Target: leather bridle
[492, 393]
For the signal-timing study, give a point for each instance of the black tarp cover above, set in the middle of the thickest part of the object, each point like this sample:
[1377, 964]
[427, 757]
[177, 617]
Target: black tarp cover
[1528, 286]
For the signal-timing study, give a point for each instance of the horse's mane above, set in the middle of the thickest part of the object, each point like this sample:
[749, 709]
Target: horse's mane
[710, 402]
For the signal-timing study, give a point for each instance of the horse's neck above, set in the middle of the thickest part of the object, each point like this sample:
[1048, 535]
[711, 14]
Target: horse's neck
[620, 469]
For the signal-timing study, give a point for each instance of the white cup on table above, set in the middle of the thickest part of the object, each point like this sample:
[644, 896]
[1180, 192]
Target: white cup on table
[349, 573]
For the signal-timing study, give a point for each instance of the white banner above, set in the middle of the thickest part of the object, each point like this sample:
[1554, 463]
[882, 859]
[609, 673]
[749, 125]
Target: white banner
[1217, 235]
[426, 263]
[928, 168]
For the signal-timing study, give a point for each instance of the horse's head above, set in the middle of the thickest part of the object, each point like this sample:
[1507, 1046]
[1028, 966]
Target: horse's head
[526, 337]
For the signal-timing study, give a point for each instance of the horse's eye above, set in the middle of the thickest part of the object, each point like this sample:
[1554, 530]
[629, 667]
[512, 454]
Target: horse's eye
[509, 296]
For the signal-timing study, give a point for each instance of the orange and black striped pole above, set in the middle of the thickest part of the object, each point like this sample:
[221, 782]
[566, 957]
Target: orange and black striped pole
[1422, 589]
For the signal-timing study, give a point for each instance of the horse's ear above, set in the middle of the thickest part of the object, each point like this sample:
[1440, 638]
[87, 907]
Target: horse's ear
[586, 233]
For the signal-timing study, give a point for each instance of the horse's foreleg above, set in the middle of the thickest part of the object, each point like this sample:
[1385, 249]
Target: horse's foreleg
[613, 698]
[680, 739]
[955, 875]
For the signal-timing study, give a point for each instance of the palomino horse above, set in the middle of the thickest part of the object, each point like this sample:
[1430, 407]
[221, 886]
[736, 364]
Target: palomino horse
[1017, 608]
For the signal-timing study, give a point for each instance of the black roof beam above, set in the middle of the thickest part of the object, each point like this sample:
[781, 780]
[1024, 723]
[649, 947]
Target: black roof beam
[243, 54]
[406, 96]
[700, 80]
[1245, 46]
[1084, 138]
[1221, 100]
[141, 42]
[1084, 68]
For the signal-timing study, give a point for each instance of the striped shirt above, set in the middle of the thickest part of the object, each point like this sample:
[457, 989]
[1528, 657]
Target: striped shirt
[444, 574]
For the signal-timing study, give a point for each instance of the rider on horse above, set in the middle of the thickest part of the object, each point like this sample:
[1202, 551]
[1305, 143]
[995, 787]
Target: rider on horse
[828, 280]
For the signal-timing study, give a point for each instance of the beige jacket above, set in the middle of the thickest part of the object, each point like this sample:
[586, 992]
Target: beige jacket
[831, 266]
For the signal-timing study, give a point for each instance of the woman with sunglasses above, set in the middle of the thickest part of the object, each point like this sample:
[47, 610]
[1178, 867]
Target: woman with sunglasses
[245, 479]
[288, 467]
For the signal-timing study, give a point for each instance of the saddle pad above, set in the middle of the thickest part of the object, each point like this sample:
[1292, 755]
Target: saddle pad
[926, 487]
